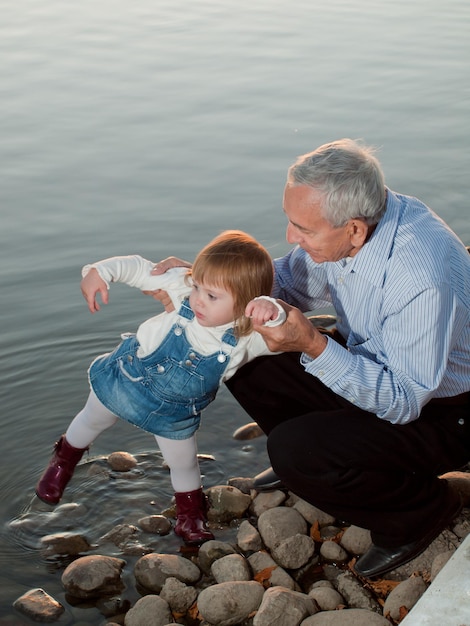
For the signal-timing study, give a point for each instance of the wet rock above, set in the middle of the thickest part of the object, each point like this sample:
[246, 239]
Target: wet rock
[280, 523]
[179, 596]
[248, 538]
[333, 553]
[152, 570]
[348, 617]
[269, 573]
[64, 543]
[406, 594]
[211, 551]
[158, 524]
[354, 593]
[39, 606]
[231, 567]
[93, 576]
[356, 540]
[294, 552]
[284, 607]
[226, 503]
[229, 603]
[150, 609]
[120, 534]
[121, 461]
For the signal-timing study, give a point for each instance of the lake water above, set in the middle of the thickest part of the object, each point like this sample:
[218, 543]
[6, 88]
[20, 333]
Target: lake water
[149, 127]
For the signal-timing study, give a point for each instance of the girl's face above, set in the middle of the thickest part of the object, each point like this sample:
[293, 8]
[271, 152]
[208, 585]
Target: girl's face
[213, 306]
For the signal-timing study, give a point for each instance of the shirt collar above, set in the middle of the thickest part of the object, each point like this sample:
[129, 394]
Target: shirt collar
[371, 259]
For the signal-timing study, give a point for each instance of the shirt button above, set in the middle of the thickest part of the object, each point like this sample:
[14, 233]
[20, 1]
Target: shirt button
[192, 356]
[160, 369]
[188, 362]
[321, 373]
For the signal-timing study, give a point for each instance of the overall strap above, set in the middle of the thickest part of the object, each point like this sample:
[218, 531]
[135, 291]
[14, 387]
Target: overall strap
[229, 337]
[185, 310]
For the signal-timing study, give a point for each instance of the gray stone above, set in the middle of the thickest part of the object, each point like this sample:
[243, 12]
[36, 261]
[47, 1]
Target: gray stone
[268, 572]
[327, 598]
[333, 553]
[283, 607]
[226, 504]
[268, 500]
[294, 552]
[354, 593]
[312, 514]
[93, 576]
[279, 523]
[231, 567]
[356, 540]
[152, 570]
[179, 596]
[150, 609]
[248, 538]
[347, 617]
[406, 594]
[212, 550]
[230, 603]
[439, 561]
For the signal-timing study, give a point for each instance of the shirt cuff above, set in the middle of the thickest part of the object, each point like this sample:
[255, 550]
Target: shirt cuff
[331, 365]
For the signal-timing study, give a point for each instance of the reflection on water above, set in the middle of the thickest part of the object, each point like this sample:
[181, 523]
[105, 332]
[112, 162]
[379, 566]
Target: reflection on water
[150, 127]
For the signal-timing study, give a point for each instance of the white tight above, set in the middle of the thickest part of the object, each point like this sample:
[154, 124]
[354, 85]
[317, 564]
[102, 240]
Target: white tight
[179, 454]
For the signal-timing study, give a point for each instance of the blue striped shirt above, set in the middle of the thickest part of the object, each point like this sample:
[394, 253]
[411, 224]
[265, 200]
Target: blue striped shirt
[403, 307]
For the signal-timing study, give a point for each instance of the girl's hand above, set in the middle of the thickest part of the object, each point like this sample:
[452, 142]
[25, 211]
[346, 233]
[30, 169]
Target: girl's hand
[92, 285]
[261, 311]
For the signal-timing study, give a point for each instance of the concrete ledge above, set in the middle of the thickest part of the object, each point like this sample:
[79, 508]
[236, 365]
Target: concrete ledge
[447, 600]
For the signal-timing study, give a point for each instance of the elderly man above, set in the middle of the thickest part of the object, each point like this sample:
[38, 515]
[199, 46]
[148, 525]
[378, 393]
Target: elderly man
[361, 423]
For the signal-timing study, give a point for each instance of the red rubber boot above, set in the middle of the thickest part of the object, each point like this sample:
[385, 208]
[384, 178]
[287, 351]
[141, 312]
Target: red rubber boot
[59, 471]
[191, 519]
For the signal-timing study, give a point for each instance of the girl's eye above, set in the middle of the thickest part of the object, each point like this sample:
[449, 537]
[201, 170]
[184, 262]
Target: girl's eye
[212, 297]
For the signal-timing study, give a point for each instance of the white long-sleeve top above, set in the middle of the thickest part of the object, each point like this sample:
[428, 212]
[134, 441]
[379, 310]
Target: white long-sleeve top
[135, 271]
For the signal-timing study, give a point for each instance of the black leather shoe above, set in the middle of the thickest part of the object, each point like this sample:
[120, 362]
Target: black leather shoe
[377, 560]
[267, 481]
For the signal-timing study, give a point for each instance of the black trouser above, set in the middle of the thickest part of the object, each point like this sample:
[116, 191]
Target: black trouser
[346, 461]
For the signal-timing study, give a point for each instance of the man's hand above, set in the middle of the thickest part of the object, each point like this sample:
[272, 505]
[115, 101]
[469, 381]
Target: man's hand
[92, 285]
[160, 268]
[297, 334]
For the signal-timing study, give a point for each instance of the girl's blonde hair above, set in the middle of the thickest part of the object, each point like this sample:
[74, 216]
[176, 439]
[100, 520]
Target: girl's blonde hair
[235, 261]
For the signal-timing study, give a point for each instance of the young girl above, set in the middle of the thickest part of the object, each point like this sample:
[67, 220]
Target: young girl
[161, 378]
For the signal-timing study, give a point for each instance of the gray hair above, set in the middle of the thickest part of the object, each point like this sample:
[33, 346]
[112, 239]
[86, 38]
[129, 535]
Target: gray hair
[348, 179]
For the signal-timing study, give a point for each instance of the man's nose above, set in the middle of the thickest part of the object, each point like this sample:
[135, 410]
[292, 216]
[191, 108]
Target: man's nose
[292, 236]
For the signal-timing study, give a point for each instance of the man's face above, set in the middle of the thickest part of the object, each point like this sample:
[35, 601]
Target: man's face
[307, 228]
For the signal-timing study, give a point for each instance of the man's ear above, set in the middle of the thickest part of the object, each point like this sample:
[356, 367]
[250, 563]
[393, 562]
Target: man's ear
[360, 232]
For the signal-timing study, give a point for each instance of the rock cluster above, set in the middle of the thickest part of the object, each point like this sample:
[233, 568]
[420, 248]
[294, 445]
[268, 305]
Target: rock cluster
[289, 566]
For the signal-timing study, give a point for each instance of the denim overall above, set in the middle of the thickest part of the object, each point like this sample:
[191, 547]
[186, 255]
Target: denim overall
[164, 392]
